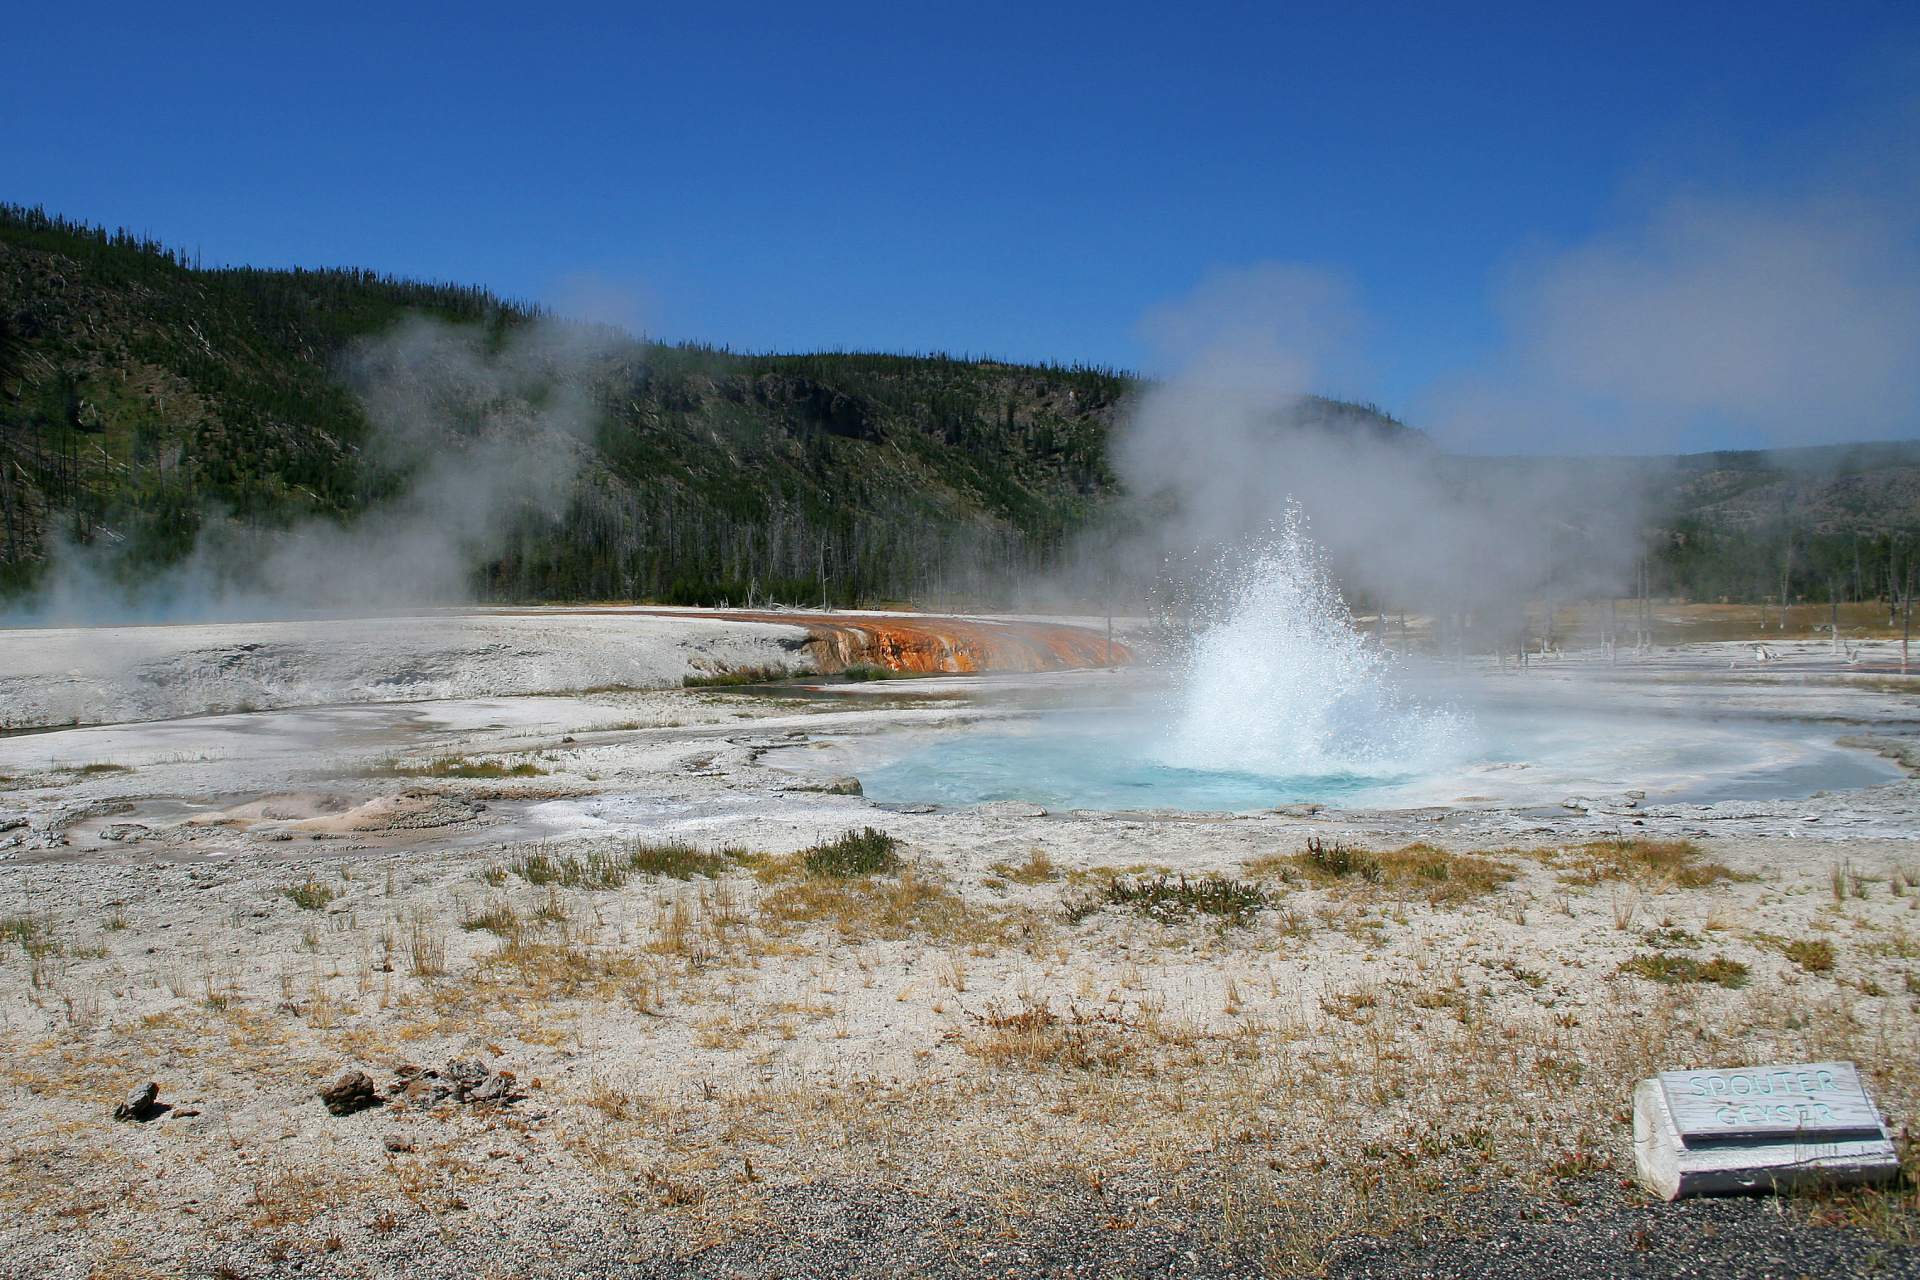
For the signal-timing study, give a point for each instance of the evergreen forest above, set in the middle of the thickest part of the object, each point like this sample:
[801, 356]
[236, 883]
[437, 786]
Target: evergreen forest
[145, 399]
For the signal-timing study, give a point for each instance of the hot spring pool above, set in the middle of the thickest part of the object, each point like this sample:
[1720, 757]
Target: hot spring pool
[1109, 758]
[1280, 700]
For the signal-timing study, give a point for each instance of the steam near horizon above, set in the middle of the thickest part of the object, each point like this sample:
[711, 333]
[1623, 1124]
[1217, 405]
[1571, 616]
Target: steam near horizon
[477, 437]
[1782, 313]
[1774, 313]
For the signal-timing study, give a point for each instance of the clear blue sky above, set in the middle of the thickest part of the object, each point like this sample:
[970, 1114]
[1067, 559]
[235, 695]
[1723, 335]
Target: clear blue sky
[1023, 180]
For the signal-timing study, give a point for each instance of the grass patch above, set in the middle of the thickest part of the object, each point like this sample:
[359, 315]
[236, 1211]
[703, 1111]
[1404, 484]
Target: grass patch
[862, 671]
[101, 768]
[457, 767]
[867, 852]
[1442, 878]
[677, 860]
[1680, 861]
[1678, 969]
[1234, 902]
[892, 909]
[310, 896]
[1037, 869]
[742, 675]
[540, 865]
[1813, 955]
[499, 918]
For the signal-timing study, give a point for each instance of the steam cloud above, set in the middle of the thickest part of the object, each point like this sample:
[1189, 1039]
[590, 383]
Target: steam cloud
[1782, 310]
[1220, 448]
[479, 437]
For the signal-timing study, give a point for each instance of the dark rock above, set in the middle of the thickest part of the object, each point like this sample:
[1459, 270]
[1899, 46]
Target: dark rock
[467, 1075]
[138, 1104]
[352, 1092]
[398, 1142]
[496, 1088]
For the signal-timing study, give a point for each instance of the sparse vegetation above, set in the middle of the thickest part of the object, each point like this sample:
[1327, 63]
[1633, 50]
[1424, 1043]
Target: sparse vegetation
[545, 865]
[1421, 869]
[32, 934]
[743, 675]
[496, 917]
[1674, 969]
[542, 865]
[309, 895]
[1676, 862]
[863, 671]
[457, 767]
[1813, 955]
[866, 852]
[1233, 902]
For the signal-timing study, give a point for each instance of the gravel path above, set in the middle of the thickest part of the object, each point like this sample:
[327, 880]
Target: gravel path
[824, 1230]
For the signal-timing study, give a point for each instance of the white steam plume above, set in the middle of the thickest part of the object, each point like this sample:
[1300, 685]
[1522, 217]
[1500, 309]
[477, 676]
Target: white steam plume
[482, 436]
[1221, 446]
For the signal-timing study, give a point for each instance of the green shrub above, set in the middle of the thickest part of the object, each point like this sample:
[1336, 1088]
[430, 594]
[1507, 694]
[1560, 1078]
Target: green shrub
[1172, 901]
[677, 860]
[857, 853]
[540, 865]
[1339, 860]
[310, 896]
[1815, 956]
[1675, 969]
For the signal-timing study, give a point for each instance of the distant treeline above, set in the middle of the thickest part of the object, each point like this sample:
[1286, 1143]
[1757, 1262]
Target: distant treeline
[1751, 566]
[141, 396]
[144, 398]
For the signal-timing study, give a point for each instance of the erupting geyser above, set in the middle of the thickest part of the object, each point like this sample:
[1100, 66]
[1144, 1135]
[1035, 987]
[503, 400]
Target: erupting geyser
[1283, 686]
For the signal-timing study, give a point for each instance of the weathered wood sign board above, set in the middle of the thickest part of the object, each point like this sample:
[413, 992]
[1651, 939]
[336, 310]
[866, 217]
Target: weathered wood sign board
[1758, 1129]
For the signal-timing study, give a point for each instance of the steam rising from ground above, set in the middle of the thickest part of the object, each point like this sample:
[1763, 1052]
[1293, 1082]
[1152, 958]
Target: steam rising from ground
[1218, 449]
[477, 434]
[1283, 686]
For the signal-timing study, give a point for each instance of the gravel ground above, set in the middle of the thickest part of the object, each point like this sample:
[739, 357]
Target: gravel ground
[832, 1231]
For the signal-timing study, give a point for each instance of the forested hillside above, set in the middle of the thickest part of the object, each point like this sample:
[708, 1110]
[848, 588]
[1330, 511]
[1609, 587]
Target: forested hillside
[139, 396]
[1837, 522]
[145, 401]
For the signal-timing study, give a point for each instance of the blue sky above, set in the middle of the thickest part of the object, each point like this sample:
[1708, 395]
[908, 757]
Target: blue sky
[1518, 210]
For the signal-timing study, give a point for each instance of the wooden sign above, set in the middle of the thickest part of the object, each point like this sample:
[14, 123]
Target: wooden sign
[1758, 1129]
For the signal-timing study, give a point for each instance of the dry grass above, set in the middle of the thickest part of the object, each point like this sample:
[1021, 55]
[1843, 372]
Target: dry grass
[459, 767]
[497, 917]
[1032, 1035]
[1281, 1106]
[1037, 869]
[889, 908]
[1671, 969]
[1812, 955]
[566, 969]
[1679, 863]
[1422, 870]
